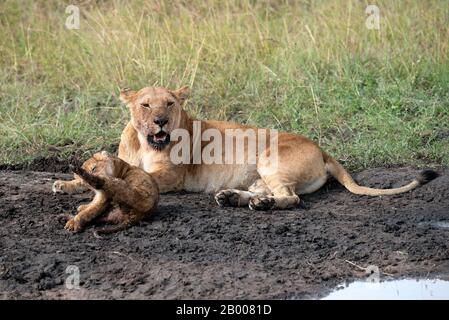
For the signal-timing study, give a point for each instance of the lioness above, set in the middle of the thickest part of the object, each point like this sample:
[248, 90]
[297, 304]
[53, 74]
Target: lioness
[302, 167]
[128, 190]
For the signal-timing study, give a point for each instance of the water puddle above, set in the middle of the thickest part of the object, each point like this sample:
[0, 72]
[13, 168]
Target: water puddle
[413, 289]
[443, 224]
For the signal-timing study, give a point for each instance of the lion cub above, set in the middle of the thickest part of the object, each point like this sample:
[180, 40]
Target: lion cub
[129, 191]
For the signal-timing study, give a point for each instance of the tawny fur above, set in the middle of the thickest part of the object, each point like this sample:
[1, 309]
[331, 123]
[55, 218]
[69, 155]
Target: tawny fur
[128, 190]
[302, 168]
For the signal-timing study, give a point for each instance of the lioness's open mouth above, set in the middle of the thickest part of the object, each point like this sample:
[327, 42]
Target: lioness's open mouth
[159, 140]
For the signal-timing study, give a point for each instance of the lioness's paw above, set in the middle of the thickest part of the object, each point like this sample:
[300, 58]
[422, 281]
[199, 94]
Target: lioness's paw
[58, 187]
[227, 198]
[73, 225]
[262, 203]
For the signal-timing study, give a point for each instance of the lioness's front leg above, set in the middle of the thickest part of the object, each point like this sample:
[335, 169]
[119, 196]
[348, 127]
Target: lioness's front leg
[170, 178]
[74, 186]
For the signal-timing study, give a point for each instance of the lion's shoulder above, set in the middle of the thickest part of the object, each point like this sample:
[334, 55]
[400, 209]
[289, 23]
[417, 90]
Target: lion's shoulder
[129, 145]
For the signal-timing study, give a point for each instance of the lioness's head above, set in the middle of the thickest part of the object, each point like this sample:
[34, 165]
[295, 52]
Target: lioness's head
[155, 112]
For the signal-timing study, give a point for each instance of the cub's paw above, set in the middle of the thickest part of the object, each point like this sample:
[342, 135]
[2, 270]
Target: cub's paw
[262, 203]
[58, 187]
[64, 217]
[73, 225]
[227, 198]
[81, 207]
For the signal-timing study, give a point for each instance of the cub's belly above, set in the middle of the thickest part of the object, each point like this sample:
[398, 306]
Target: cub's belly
[214, 177]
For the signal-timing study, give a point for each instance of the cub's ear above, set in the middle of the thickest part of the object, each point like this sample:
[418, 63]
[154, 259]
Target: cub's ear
[127, 95]
[182, 94]
[102, 155]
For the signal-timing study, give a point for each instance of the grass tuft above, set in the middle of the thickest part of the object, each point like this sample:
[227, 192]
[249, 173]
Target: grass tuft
[369, 97]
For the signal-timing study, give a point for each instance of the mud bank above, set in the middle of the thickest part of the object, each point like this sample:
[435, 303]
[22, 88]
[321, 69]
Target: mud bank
[192, 249]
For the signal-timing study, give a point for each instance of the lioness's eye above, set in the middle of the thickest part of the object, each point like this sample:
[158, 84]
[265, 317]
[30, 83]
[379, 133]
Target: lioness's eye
[145, 105]
[170, 103]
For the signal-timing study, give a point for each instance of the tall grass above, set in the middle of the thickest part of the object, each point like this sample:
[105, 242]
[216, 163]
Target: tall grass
[369, 97]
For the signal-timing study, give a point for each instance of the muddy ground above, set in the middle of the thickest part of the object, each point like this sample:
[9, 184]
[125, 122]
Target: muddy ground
[192, 249]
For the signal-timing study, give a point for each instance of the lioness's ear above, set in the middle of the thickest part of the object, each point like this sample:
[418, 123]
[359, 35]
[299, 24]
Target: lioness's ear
[182, 94]
[127, 95]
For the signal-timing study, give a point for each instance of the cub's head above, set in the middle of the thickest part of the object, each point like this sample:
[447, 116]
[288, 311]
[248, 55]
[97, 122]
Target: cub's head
[101, 164]
[155, 112]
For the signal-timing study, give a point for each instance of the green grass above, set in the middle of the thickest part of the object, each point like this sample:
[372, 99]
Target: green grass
[369, 97]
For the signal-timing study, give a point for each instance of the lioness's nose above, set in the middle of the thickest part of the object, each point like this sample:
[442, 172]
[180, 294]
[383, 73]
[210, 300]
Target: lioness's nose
[160, 121]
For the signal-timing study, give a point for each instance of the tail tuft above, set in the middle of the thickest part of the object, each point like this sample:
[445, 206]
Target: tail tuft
[427, 176]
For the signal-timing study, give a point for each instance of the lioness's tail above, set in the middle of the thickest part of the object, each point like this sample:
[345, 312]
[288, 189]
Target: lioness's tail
[339, 173]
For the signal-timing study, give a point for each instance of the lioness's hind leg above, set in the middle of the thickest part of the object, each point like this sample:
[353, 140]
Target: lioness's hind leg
[233, 197]
[240, 198]
[282, 198]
